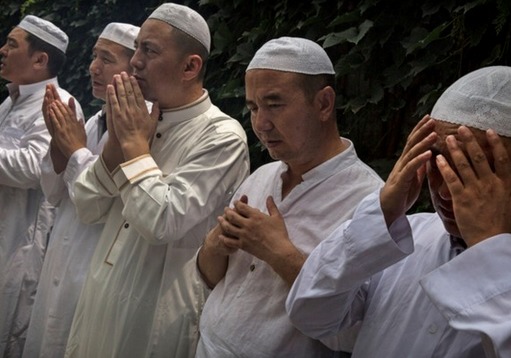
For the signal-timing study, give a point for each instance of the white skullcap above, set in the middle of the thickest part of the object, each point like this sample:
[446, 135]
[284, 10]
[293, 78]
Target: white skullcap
[185, 19]
[46, 31]
[123, 34]
[292, 54]
[480, 99]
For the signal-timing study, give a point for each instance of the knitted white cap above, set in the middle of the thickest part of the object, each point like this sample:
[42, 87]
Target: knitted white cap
[480, 99]
[46, 31]
[123, 34]
[185, 19]
[292, 54]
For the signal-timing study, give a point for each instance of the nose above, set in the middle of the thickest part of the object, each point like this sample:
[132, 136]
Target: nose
[135, 60]
[94, 68]
[261, 121]
[3, 51]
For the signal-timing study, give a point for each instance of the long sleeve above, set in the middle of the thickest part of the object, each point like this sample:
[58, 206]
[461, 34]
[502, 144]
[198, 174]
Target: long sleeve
[338, 272]
[21, 155]
[473, 293]
[166, 208]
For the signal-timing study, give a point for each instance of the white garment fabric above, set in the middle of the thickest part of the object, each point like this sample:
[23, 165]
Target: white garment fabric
[25, 217]
[414, 295]
[244, 315]
[67, 260]
[142, 296]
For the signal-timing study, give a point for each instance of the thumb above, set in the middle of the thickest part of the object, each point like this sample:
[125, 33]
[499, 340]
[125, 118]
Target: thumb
[272, 207]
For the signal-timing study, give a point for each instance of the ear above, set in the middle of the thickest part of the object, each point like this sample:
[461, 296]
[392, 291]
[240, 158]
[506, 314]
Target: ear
[193, 67]
[40, 60]
[325, 102]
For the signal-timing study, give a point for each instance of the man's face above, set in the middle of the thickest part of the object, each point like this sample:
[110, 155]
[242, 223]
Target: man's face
[283, 119]
[440, 195]
[108, 58]
[16, 63]
[157, 65]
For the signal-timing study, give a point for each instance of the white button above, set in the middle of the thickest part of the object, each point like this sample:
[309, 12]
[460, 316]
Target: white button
[432, 328]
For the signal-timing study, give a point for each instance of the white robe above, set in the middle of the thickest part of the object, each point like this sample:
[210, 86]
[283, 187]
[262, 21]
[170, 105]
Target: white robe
[68, 255]
[413, 294]
[244, 315]
[25, 217]
[142, 297]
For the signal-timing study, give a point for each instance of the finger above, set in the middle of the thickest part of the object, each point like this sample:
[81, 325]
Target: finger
[59, 117]
[128, 88]
[421, 130]
[120, 92]
[72, 107]
[137, 93]
[54, 93]
[273, 210]
[230, 242]
[452, 181]
[65, 111]
[244, 199]
[111, 105]
[501, 160]
[416, 145]
[460, 161]
[227, 227]
[233, 217]
[55, 123]
[45, 109]
[475, 153]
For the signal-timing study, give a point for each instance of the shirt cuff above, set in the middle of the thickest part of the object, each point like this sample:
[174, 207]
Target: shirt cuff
[104, 177]
[135, 170]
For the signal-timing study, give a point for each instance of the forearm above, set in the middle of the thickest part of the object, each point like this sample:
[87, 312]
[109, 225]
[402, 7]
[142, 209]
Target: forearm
[211, 266]
[288, 265]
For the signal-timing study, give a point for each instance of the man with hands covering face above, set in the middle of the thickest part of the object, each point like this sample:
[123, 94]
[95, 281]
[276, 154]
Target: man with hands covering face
[428, 284]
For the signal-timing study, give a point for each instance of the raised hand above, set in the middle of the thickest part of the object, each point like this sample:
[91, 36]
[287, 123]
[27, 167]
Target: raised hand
[480, 187]
[68, 131]
[133, 125]
[264, 236]
[404, 183]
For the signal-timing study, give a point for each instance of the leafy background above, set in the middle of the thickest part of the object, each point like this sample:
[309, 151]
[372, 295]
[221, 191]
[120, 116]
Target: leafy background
[393, 58]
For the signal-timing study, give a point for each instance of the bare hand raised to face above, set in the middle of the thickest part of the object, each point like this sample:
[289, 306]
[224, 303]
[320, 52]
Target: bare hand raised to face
[131, 127]
[67, 131]
[480, 187]
[404, 183]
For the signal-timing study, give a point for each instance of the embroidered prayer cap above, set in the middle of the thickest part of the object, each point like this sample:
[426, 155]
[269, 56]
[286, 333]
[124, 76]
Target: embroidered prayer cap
[292, 54]
[122, 34]
[185, 19]
[481, 99]
[46, 31]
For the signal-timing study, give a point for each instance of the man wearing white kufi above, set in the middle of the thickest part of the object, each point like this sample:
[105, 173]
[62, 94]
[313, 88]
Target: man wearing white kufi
[32, 56]
[71, 245]
[158, 185]
[283, 210]
[427, 284]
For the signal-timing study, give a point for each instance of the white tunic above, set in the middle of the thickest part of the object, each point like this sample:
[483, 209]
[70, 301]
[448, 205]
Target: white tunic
[68, 255]
[142, 296]
[415, 297]
[244, 315]
[25, 217]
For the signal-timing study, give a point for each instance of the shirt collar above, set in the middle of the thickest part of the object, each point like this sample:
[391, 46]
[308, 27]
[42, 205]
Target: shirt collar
[188, 111]
[344, 159]
[21, 91]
